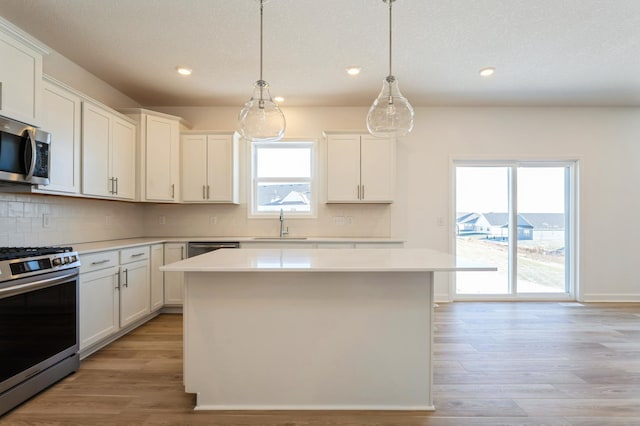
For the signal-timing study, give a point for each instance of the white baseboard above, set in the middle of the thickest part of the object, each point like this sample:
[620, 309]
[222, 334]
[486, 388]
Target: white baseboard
[442, 298]
[611, 297]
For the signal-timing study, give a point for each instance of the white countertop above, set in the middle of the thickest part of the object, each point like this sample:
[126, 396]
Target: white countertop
[84, 248]
[325, 260]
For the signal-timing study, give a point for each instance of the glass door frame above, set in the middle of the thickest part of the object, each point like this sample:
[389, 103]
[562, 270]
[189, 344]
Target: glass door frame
[571, 229]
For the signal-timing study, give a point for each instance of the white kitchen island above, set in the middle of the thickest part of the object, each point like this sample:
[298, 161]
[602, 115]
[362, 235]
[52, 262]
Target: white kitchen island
[328, 329]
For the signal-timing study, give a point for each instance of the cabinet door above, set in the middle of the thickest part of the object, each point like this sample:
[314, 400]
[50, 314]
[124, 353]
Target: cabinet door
[220, 171]
[157, 279]
[135, 292]
[194, 168]
[162, 159]
[20, 81]
[123, 158]
[96, 136]
[61, 118]
[377, 169]
[343, 168]
[99, 305]
[174, 281]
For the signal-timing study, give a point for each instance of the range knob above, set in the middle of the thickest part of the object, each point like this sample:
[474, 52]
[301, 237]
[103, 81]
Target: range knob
[57, 261]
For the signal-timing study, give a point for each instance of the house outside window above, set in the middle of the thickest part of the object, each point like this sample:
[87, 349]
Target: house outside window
[282, 176]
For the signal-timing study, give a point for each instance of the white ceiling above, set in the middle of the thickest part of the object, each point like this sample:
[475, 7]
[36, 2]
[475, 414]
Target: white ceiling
[546, 52]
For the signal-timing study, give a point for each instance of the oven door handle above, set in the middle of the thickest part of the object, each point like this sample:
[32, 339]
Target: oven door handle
[30, 163]
[36, 285]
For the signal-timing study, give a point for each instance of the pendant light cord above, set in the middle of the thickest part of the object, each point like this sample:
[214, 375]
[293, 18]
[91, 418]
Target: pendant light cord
[261, 19]
[390, 33]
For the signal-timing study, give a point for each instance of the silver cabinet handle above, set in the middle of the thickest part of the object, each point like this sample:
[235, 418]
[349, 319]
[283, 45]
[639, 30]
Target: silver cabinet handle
[182, 253]
[126, 278]
[173, 190]
[116, 185]
[362, 192]
[100, 262]
[207, 192]
[117, 274]
[138, 254]
[204, 192]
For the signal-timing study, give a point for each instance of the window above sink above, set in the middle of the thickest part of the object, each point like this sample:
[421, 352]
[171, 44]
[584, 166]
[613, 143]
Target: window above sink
[282, 178]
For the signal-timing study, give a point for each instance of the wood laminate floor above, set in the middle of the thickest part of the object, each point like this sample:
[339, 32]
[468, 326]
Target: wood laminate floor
[495, 364]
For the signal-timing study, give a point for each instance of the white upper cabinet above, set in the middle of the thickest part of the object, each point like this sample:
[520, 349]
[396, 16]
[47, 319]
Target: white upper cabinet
[360, 168]
[61, 117]
[209, 168]
[20, 75]
[108, 153]
[159, 154]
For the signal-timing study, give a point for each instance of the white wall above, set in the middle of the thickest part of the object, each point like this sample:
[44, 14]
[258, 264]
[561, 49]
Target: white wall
[604, 140]
[62, 69]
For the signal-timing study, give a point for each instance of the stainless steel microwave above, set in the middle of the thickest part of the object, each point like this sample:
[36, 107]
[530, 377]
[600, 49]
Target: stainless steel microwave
[24, 153]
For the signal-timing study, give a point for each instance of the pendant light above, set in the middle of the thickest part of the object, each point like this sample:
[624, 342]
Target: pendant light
[391, 114]
[261, 119]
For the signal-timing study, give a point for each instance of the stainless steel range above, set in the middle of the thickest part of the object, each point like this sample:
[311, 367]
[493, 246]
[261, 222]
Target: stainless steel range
[38, 320]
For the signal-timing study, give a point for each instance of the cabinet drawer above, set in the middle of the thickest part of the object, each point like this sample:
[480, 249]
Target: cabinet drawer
[134, 254]
[96, 261]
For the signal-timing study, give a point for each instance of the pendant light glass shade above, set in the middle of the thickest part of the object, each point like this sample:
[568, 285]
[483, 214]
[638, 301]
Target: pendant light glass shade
[261, 119]
[391, 114]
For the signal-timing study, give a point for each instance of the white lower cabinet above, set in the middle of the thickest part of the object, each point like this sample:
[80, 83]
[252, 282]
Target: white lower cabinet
[157, 278]
[115, 292]
[174, 281]
[135, 292]
[99, 305]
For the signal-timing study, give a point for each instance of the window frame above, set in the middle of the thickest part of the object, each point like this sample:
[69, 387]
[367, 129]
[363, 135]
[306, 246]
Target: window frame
[254, 181]
[572, 264]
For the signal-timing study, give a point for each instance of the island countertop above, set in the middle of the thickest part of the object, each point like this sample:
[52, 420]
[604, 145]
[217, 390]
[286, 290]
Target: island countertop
[325, 260]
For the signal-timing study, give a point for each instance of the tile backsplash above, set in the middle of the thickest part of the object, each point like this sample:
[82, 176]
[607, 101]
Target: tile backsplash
[40, 220]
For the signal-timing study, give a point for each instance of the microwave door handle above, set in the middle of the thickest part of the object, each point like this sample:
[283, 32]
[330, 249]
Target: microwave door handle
[30, 163]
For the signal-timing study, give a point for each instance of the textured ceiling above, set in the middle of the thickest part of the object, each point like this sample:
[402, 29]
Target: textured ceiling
[546, 52]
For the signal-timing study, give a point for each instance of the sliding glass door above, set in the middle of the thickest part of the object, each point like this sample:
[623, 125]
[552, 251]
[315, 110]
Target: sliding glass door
[517, 216]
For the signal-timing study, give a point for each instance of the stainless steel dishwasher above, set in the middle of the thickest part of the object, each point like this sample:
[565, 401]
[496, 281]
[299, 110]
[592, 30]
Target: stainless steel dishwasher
[201, 247]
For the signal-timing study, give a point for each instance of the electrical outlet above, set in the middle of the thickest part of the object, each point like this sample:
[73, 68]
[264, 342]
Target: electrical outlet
[108, 219]
[338, 220]
[349, 220]
[46, 220]
[162, 220]
[440, 221]
[213, 220]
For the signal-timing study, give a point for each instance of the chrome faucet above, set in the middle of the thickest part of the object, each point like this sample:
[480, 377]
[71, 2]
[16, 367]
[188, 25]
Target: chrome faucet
[283, 231]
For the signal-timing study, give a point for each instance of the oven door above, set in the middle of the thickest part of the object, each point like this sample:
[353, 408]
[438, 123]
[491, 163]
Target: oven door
[38, 324]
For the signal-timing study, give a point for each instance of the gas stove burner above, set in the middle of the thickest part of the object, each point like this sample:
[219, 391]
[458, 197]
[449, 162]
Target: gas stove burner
[8, 253]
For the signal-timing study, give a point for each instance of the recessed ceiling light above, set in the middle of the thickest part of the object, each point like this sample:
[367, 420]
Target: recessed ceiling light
[184, 71]
[487, 72]
[354, 70]
[279, 99]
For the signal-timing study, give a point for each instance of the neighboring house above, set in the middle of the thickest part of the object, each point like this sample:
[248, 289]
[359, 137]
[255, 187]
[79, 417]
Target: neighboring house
[531, 226]
[472, 224]
[284, 195]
